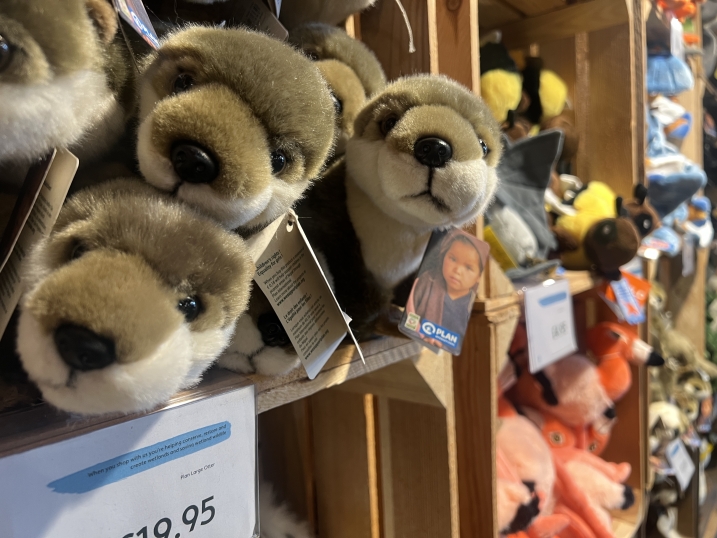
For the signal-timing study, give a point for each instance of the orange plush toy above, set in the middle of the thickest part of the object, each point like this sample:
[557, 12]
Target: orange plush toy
[614, 346]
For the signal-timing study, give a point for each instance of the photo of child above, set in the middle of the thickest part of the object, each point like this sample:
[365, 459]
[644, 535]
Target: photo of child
[439, 306]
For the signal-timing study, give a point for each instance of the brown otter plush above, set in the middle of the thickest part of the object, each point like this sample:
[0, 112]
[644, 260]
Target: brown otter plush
[352, 71]
[422, 158]
[238, 125]
[234, 123]
[65, 80]
[130, 299]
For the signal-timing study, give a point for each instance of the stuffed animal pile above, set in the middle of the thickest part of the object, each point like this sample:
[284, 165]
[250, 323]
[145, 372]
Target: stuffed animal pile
[568, 490]
[681, 396]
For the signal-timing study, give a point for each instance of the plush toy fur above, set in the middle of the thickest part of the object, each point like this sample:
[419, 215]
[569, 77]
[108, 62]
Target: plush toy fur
[65, 78]
[333, 12]
[275, 518]
[325, 42]
[350, 68]
[218, 107]
[106, 325]
[373, 212]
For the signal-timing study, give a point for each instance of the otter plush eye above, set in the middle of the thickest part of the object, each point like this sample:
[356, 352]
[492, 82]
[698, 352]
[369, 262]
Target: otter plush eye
[191, 307]
[485, 148]
[338, 105]
[388, 123]
[311, 55]
[278, 161]
[182, 83]
[78, 250]
[5, 53]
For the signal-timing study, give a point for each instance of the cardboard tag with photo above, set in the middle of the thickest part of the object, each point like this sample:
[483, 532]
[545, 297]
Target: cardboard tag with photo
[291, 278]
[549, 322]
[441, 300]
[60, 172]
[135, 14]
[628, 297]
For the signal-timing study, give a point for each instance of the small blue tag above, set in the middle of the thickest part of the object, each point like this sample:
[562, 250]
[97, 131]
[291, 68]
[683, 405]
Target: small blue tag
[443, 335]
[627, 302]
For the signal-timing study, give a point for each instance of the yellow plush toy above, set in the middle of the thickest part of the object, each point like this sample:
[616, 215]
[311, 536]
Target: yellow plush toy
[599, 236]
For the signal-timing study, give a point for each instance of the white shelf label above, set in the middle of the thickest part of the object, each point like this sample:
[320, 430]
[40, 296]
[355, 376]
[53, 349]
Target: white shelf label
[186, 472]
[681, 461]
[549, 322]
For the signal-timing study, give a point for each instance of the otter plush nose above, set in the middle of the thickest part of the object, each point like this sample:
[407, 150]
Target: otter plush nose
[83, 349]
[432, 151]
[193, 163]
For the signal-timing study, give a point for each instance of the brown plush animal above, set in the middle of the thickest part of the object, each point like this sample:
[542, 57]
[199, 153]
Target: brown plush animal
[236, 124]
[350, 68]
[65, 80]
[131, 298]
[422, 157]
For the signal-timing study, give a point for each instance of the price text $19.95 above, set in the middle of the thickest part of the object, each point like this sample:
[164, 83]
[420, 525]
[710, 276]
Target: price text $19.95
[190, 517]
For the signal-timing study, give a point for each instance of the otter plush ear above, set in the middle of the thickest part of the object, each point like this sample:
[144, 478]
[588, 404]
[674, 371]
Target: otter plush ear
[104, 16]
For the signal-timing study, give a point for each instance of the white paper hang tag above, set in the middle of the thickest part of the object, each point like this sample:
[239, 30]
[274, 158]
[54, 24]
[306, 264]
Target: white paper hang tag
[291, 278]
[188, 471]
[681, 462]
[549, 322]
[677, 40]
[58, 178]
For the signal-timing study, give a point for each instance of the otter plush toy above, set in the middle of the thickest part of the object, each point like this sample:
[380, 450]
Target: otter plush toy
[131, 297]
[350, 68]
[422, 157]
[65, 81]
[237, 125]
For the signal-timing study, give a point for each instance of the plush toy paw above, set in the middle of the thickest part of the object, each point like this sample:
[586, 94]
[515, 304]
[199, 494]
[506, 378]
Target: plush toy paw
[248, 354]
[246, 343]
[275, 361]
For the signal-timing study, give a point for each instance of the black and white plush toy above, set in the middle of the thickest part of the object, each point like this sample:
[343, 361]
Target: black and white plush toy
[237, 125]
[131, 297]
[423, 157]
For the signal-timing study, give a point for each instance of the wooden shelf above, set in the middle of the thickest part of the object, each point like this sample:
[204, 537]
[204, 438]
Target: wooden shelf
[29, 426]
[508, 295]
[343, 366]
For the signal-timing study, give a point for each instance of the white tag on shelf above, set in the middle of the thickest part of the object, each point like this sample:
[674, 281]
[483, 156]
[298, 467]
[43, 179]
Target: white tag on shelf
[681, 462]
[291, 278]
[185, 472]
[688, 255]
[677, 40]
[549, 323]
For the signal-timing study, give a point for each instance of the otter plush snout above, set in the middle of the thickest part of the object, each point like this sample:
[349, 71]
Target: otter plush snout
[129, 300]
